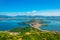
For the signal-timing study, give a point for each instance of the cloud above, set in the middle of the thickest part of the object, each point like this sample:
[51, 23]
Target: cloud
[34, 12]
[55, 12]
[50, 12]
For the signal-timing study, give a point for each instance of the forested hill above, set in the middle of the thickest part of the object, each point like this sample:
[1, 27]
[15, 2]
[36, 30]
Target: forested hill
[30, 33]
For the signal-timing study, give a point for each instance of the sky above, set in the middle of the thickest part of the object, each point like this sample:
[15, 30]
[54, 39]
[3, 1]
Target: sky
[30, 7]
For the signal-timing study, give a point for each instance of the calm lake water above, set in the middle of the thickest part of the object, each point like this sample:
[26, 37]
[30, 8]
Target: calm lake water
[10, 24]
[54, 25]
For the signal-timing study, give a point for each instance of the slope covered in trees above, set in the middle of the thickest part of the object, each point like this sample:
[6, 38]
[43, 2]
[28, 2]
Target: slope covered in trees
[28, 33]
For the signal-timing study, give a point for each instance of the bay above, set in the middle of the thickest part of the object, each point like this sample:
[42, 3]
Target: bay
[54, 25]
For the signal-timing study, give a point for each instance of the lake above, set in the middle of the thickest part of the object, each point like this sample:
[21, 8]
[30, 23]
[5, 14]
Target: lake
[10, 24]
[54, 25]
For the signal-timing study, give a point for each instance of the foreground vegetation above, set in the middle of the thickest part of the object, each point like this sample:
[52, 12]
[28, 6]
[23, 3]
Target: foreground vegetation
[28, 33]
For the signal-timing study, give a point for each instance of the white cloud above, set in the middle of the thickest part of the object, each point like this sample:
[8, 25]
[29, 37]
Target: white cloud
[28, 12]
[42, 12]
[46, 12]
[33, 11]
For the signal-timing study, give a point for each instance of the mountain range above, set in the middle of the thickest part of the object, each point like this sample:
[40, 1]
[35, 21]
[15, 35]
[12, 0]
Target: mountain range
[25, 16]
[5, 16]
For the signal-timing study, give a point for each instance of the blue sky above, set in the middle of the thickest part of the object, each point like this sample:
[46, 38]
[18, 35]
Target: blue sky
[30, 7]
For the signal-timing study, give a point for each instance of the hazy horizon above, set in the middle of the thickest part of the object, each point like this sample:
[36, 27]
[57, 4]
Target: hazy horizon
[30, 7]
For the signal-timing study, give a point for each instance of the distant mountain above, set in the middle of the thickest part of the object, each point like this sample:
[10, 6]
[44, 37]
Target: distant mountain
[5, 16]
[38, 17]
[29, 17]
[24, 16]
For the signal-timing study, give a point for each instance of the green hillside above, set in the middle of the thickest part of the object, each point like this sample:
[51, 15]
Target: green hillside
[25, 29]
[29, 33]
